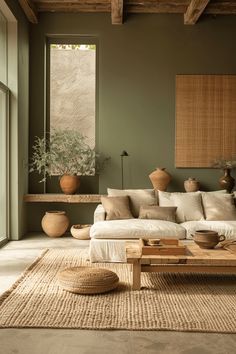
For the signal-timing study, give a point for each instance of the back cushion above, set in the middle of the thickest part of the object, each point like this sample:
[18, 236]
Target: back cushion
[218, 206]
[137, 197]
[189, 205]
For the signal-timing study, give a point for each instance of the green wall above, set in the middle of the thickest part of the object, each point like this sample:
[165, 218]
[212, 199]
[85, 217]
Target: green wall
[137, 65]
[19, 122]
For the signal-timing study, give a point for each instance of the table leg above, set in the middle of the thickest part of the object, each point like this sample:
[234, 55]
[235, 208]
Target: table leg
[136, 275]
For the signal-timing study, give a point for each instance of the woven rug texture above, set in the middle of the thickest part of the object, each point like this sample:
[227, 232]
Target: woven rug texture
[176, 302]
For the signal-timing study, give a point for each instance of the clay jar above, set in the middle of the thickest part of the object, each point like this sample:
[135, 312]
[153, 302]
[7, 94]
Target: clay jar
[160, 179]
[191, 185]
[69, 183]
[55, 223]
[227, 181]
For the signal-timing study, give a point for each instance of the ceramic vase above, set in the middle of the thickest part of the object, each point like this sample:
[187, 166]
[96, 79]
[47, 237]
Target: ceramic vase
[69, 183]
[191, 185]
[55, 223]
[227, 181]
[160, 179]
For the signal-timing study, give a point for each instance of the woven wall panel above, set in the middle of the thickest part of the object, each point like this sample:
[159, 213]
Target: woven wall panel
[205, 119]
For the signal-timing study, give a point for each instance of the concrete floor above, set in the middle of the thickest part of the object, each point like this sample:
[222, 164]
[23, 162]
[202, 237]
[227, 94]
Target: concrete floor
[17, 255]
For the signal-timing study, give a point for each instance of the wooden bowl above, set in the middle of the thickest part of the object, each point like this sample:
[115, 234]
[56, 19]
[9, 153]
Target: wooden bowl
[80, 231]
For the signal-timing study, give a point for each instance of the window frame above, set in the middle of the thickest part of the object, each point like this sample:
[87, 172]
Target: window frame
[6, 90]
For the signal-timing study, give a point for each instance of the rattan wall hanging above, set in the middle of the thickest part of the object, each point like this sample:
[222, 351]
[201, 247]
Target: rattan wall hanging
[205, 119]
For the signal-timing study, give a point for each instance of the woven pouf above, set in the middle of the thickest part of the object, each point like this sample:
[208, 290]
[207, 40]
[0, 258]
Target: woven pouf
[87, 280]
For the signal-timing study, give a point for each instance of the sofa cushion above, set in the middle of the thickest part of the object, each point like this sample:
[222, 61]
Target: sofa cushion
[136, 228]
[157, 212]
[218, 206]
[226, 228]
[116, 207]
[189, 205]
[138, 197]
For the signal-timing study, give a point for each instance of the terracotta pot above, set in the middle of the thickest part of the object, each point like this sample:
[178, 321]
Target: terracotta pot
[160, 179]
[191, 185]
[81, 232]
[227, 181]
[55, 223]
[207, 238]
[69, 183]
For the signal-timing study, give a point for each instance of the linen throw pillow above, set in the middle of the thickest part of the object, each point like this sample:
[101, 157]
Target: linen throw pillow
[219, 206]
[137, 197]
[116, 207]
[158, 213]
[189, 205]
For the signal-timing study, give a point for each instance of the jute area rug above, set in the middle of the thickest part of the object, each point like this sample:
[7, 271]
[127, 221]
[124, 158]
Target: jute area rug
[200, 303]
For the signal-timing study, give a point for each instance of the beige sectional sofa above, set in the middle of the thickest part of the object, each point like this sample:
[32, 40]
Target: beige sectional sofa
[194, 211]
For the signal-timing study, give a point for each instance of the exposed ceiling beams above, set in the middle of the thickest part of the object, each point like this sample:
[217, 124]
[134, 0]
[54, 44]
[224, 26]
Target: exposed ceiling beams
[30, 10]
[191, 9]
[117, 12]
[194, 11]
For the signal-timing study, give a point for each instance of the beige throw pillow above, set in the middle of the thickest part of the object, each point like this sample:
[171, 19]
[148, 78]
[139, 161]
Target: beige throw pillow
[189, 205]
[116, 207]
[137, 197]
[219, 206]
[157, 212]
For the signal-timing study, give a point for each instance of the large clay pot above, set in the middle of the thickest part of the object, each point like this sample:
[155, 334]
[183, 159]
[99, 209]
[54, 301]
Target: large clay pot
[160, 179]
[227, 181]
[69, 183]
[191, 185]
[55, 223]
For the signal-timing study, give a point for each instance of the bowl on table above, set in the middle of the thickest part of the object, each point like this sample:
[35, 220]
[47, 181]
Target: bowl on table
[207, 238]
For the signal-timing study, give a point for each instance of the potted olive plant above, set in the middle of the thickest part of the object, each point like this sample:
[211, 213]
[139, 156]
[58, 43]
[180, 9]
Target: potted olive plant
[65, 153]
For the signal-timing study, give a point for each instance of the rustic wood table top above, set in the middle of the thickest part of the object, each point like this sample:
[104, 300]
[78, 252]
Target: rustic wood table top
[194, 255]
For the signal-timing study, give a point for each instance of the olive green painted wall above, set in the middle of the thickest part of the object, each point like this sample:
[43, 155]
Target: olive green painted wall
[137, 65]
[19, 122]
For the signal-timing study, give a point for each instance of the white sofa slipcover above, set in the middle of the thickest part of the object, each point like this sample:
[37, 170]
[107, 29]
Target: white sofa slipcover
[108, 236]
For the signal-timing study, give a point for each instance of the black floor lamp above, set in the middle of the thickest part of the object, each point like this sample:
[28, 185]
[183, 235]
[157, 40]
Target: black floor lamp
[123, 154]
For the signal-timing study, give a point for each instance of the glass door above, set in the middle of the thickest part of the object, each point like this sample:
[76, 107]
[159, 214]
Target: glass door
[4, 109]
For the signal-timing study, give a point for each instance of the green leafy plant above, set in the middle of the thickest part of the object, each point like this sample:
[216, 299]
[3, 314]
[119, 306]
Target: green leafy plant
[65, 152]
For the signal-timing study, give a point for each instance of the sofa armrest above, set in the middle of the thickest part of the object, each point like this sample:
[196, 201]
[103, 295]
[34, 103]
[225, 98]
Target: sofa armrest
[99, 214]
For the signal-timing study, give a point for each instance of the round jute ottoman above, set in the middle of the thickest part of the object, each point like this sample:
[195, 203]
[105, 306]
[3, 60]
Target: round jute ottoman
[87, 280]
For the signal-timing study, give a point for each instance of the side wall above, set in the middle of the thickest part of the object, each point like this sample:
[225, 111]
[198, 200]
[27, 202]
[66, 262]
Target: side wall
[19, 126]
[137, 65]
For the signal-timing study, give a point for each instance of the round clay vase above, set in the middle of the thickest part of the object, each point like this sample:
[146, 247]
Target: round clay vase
[55, 223]
[69, 183]
[160, 179]
[207, 238]
[191, 185]
[227, 181]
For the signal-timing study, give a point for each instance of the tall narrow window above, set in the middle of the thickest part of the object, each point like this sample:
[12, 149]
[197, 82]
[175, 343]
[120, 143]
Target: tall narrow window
[72, 88]
[3, 49]
[3, 162]
[4, 95]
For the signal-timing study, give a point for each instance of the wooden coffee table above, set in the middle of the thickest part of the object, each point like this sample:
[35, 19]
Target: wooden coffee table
[196, 260]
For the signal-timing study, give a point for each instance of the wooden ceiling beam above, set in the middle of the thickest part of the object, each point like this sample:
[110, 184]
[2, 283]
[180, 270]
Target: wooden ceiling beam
[30, 10]
[117, 12]
[194, 11]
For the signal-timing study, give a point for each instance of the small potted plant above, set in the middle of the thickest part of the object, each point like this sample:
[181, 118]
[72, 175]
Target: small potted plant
[65, 153]
[227, 181]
